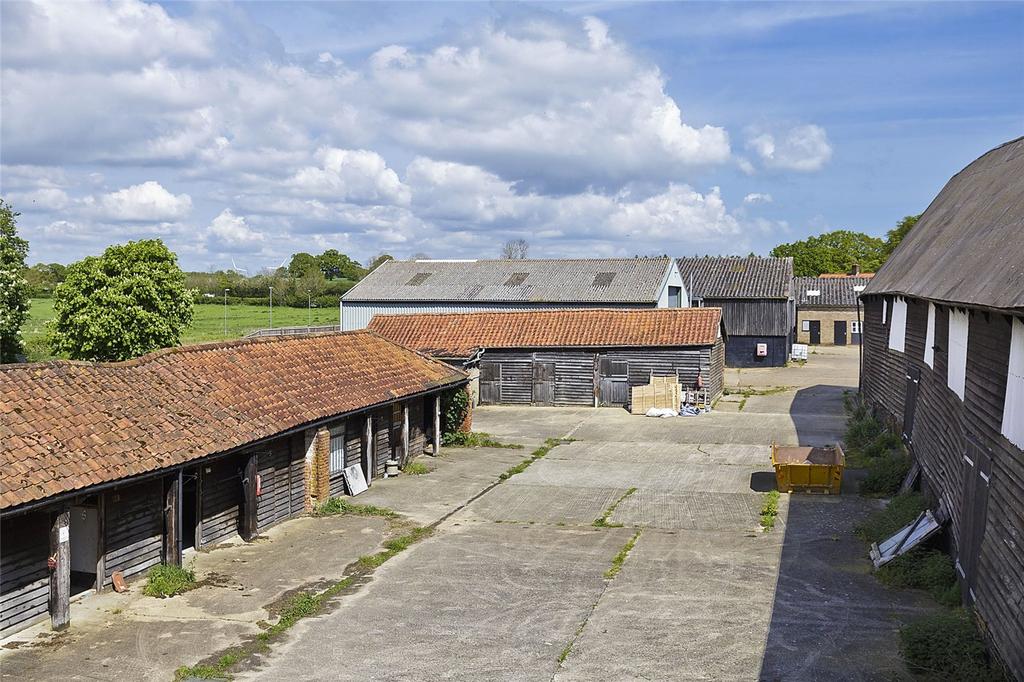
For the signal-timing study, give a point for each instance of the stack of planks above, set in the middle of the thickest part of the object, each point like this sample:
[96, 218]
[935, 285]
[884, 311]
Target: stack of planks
[662, 392]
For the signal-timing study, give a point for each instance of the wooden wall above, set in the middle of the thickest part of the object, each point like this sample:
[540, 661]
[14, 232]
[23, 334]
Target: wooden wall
[754, 317]
[282, 479]
[24, 578]
[945, 431]
[221, 498]
[741, 351]
[134, 528]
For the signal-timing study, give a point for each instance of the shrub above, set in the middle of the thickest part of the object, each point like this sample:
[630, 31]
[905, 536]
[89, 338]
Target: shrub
[900, 511]
[924, 569]
[454, 406]
[882, 444]
[886, 474]
[947, 646]
[769, 509]
[166, 580]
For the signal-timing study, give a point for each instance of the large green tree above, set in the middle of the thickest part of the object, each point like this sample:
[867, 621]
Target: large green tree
[127, 302]
[894, 236]
[336, 265]
[833, 252]
[379, 260]
[13, 286]
[302, 264]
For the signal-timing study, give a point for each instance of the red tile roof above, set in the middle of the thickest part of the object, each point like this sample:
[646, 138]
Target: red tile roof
[65, 426]
[459, 335]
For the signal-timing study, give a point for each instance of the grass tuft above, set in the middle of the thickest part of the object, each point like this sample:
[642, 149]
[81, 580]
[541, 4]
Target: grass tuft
[394, 546]
[416, 469]
[604, 522]
[900, 511]
[338, 505]
[539, 453]
[619, 559]
[769, 509]
[475, 439]
[165, 580]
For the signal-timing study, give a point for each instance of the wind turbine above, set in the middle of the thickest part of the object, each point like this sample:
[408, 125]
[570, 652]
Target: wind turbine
[238, 269]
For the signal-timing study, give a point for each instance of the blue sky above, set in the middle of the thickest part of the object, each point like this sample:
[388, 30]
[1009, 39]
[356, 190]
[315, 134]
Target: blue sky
[246, 132]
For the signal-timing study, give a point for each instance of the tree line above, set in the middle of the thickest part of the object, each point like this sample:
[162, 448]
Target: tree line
[838, 251]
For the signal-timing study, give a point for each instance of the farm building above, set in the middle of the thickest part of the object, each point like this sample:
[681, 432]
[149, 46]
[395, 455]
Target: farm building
[827, 311]
[569, 357]
[437, 286]
[119, 466]
[944, 362]
[756, 298]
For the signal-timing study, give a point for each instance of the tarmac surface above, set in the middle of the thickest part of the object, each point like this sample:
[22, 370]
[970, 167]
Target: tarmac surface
[515, 583]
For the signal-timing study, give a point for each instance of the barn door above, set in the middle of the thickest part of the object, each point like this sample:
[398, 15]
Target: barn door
[910, 405]
[814, 327]
[543, 383]
[613, 386]
[977, 470]
[839, 332]
[490, 383]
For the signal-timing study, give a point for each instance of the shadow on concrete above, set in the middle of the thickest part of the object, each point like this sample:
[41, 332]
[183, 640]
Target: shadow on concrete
[762, 481]
[818, 415]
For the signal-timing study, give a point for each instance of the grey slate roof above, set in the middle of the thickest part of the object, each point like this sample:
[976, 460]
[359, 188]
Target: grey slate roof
[731, 277]
[835, 292]
[968, 246]
[611, 280]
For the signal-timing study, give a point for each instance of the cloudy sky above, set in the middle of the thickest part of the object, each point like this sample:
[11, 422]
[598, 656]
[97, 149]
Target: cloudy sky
[250, 131]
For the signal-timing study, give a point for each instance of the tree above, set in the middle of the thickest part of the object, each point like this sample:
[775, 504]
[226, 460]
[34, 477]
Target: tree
[833, 252]
[335, 264]
[894, 236]
[380, 259]
[302, 264]
[515, 249]
[127, 302]
[13, 286]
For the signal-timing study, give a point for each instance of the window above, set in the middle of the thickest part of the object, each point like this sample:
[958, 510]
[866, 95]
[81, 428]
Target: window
[1013, 408]
[898, 325]
[337, 450]
[603, 279]
[855, 326]
[929, 338]
[806, 326]
[418, 279]
[956, 377]
[675, 297]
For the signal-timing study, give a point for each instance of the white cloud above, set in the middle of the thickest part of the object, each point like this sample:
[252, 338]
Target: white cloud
[232, 230]
[43, 199]
[147, 202]
[350, 175]
[758, 198]
[802, 148]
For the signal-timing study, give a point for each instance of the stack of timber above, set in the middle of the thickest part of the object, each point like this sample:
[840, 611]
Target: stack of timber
[662, 392]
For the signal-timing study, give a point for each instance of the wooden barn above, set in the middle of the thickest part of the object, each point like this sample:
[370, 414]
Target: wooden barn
[756, 298]
[119, 466]
[944, 362]
[827, 309]
[569, 357]
[468, 286]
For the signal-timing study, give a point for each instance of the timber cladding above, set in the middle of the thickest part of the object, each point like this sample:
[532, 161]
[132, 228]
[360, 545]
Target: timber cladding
[134, 529]
[966, 462]
[24, 578]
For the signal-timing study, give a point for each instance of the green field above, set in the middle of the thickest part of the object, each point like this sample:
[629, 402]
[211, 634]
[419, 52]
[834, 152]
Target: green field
[207, 323]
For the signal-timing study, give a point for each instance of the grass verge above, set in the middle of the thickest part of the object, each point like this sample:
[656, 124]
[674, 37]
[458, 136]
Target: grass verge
[165, 580]
[539, 453]
[475, 439]
[769, 509]
[948, 646]
[338, 505]
[619, 559]
[604, 522]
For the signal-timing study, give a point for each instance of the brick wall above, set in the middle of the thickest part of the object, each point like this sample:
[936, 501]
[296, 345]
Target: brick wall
[827, 317]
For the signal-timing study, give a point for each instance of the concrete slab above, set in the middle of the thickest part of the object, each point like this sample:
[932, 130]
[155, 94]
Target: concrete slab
[476, 602]
[647, 508]
[663, 453]
[550, 504]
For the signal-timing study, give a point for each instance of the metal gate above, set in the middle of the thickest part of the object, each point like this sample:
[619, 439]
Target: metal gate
[613, 381]
[543, 383]
[973, 514]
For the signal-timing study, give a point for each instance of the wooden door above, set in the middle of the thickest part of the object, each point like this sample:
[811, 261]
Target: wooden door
[839, 332]
[814, 327]
[910, 404]
[490, 383]
[543, 383]
[613, 381]
[974, 512]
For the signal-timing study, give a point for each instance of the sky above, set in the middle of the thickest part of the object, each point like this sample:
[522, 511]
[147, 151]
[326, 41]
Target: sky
[241, 133]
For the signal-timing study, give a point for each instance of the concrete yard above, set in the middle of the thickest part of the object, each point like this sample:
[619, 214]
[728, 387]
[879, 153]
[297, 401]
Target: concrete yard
[512, 585]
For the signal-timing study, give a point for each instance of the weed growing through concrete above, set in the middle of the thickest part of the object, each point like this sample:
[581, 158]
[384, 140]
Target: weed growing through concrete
[603, 522]
[475, 439]
[165, 580]
[394, 546]
[337, 505]
[620, 558]
[769, 509]
[539, 453]
[416, 469]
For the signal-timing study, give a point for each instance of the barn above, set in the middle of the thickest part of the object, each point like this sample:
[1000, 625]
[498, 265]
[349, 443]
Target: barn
[756, 298]
[827, 309]
[115, 467]
[944, 362]
[569, 357]
[466, 286]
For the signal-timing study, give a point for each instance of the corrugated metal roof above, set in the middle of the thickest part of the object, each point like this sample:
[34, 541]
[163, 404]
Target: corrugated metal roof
[832, 291]
[968, 246]
[733, 277]
[615, 280]
[459, 335]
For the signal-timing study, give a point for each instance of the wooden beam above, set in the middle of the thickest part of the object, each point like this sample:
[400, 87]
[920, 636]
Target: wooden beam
[368, 453]
[101, 541]
[60, 573]
[405, 433]
[250, 526]
[437, 425]
[172, 520]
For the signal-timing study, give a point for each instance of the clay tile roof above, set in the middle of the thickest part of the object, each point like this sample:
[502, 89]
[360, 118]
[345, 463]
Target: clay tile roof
[459, 335]
[69, 425]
